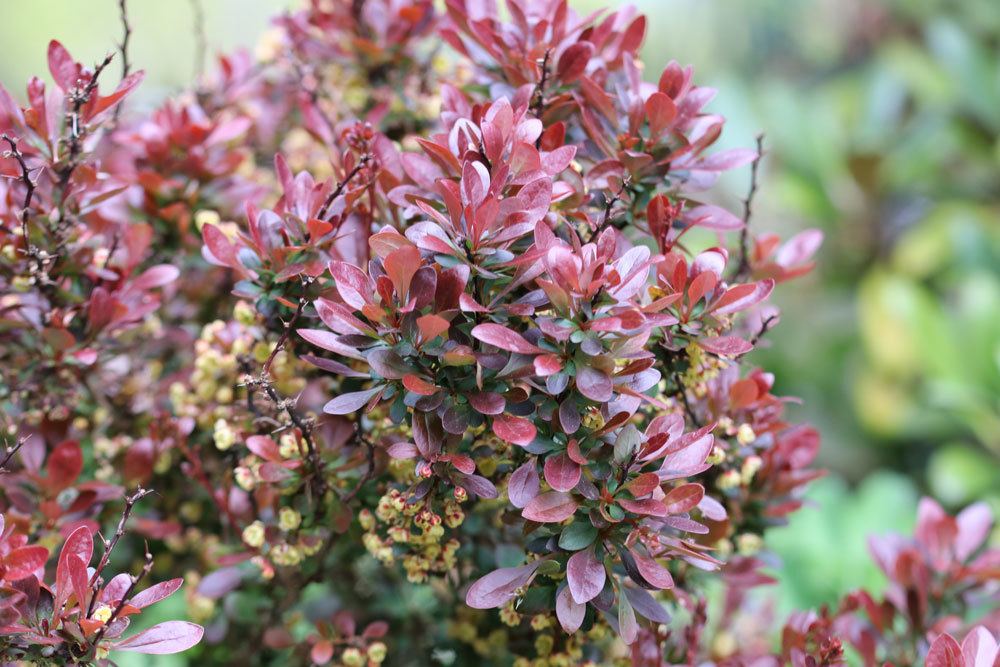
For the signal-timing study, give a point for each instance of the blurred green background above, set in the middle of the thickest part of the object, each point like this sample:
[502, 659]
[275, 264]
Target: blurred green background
[882, 125]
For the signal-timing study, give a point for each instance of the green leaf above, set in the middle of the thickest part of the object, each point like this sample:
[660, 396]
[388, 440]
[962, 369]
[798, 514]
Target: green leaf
[578, 535]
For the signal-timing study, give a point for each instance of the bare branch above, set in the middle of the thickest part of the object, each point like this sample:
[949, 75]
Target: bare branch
[200, 38]
[123, 47]
[9, 454]
[743, 268]
[339, 190]
[29, 185]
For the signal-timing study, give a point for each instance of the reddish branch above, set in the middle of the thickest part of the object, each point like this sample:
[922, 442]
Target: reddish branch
[134, 581]
[339, 190]
[29, 185]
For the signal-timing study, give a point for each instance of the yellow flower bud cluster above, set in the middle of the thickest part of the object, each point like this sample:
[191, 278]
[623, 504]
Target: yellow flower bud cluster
[702, 368]
[413, 532]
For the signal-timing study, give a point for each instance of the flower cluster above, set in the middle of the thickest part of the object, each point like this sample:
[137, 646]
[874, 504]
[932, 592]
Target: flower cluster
[410, 304]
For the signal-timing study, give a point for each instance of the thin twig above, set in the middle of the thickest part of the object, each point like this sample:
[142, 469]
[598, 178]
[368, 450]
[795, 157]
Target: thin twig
[109, 545]
[284, 336]
[29, 185]
[10, 452]
[123, 47]
[743, 268]
[200, 38]
[339, 190]
[538, 103]
[607, 209]
[79, 97]
[135, 579]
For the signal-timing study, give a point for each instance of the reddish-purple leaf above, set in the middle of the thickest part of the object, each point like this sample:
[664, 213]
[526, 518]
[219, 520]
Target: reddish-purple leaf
[155, 593]
[345, 404]
[550, 507]
[594, 384]
[727, 346]
[156, 276]
[163, 638]
[974, 523]
[569, 612]
[23, 562]
[660, 111]
[684, 498]
[654, 573]
[573, 61]
[980, 649]
[561, 472]
[499, 586]
[62, 67]
[78, 546]
[945, 652]
[400, 265]
[219, 583]
[647, 507]
[487, 402]
[516, 430]
[500, 336]
[585, 575]
[523, 485]
[352, 284]
[64, 464]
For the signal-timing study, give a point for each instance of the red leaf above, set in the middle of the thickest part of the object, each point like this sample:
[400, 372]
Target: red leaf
[156, 276]
[431, 326]
[644, 484]
[586, 576]
[418, 385]
[684, 498]
[573, 61]
[400, 265]
[127, 85]
[78, 546]
[499, 586]
[515, 430]
[500, 336]
[22, 562]
[661, 111]
[64, 465]
[63, 68]
[561, 472]
[321, 652]
[163, 638]
[547, 364]
[945, 652]
[551, 507]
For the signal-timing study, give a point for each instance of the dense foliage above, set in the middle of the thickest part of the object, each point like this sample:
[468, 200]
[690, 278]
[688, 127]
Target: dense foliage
[414, 310]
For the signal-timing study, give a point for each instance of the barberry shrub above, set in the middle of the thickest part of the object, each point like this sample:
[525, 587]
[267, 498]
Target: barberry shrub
[413, 309]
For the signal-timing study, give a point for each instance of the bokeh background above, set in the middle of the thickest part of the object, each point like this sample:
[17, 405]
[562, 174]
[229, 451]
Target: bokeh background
[882, 127]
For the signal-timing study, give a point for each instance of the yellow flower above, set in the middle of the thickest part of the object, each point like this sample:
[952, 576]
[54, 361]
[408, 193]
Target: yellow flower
[253, 535]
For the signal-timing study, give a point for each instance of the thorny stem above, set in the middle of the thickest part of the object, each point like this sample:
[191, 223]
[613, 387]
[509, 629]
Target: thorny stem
[146, 568]
[29, 185]
[123, 47]
[538, 103]
[743, 268]
[109, 545]
[266, 370]
[200, 38]
[607, 209]
[79, 98]
[10, 451]
[339, 190]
